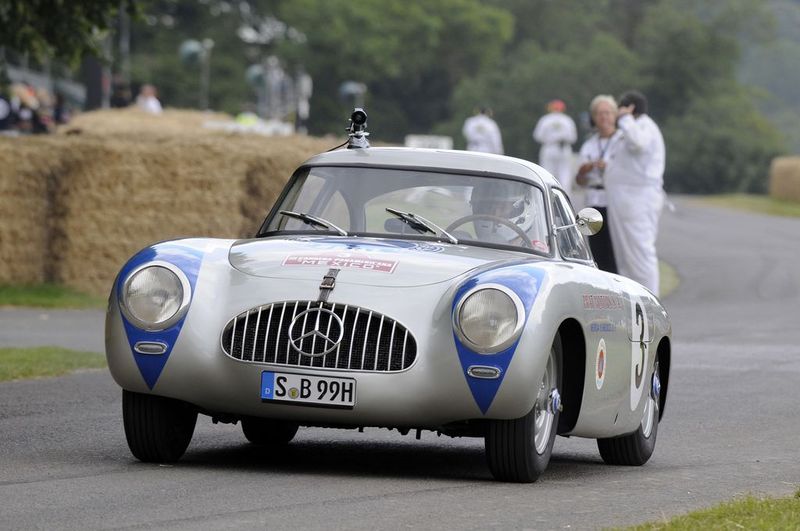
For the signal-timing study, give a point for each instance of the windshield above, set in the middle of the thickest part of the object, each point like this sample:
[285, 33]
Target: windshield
[473, 209]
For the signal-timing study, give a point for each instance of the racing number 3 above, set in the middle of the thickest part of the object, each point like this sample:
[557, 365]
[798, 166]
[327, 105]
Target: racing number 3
[639, 346]
[642, 345]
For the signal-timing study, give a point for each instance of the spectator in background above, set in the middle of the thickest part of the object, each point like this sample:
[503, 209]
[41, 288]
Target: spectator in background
[634, 180]
[593, 156]
[120, 94]
[61, 113]
[482, 133]
[27, 110]
[556, 132]
[7, 114]
[148, 101]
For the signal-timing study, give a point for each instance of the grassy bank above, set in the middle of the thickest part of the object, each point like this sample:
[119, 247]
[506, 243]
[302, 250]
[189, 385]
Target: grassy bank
[47, 296]
[752, 203]
[41, 362]
[746, 513]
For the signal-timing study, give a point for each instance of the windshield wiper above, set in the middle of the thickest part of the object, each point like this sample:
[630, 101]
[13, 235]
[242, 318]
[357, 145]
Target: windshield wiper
[421, 224]
[313, 221]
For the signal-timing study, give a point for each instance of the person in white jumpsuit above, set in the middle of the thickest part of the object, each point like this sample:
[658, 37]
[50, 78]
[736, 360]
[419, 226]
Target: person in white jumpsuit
[556, 132]
[634, 181]
[482, 133]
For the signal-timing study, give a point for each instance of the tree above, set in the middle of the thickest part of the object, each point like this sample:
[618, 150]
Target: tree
[720, 144]
[410, 53]
[55, 28]
[518, 88]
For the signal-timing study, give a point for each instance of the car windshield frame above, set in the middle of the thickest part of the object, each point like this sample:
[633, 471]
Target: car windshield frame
[301, 172]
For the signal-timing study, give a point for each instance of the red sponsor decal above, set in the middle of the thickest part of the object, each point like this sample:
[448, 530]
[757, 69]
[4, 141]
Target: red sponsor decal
[342, 261]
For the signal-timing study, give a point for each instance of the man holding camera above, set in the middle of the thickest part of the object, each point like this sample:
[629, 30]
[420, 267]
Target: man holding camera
[634, 180]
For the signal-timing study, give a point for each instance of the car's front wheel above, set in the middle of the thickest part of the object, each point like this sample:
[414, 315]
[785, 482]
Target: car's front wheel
[268, 432]
[635, 449]
[158, 429]
[519, 450]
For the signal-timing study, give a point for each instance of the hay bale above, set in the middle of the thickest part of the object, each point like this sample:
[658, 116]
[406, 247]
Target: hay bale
[24, 212]
[784, 178]
[86, 202]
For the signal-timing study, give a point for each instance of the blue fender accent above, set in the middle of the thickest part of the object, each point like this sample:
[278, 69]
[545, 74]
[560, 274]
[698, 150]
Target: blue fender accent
[188, 260]
[526, 281]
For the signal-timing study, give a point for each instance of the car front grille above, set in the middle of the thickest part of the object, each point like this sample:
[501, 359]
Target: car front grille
[369, 341]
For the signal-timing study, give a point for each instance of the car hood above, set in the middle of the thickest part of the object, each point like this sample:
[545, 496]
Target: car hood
[366, 261]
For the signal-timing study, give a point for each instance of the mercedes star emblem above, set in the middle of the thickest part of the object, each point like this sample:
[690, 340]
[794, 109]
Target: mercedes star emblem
[320, 331]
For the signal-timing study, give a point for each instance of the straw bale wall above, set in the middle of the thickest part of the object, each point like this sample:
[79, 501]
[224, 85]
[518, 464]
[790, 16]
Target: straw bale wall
[74, 207]
[784, 178]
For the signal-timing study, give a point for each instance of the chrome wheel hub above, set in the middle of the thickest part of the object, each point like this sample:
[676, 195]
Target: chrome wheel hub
[548, 401]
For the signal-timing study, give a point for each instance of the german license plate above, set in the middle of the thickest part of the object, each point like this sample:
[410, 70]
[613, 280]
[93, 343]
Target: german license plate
[305, 389]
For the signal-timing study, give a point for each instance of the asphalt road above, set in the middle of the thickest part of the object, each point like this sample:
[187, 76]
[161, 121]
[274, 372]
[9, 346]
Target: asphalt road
[731, 427]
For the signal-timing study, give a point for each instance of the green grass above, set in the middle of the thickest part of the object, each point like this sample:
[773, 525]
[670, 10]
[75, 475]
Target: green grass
[47, 296]
[745, 513]
[752, 203]
[669, 280]
[41, 362]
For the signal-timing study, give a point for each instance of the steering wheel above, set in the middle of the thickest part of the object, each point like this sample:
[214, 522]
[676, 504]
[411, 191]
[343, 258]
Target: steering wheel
[475, 217]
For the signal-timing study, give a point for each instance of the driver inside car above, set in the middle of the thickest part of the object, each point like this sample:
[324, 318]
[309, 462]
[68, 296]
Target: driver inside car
[501, 205]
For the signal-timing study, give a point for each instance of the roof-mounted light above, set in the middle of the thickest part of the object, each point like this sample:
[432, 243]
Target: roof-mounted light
[357, 131]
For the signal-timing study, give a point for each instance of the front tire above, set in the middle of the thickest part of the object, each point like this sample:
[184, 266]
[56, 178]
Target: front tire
[519, 450]
[268, 432]
[158, 429]
[636, 448]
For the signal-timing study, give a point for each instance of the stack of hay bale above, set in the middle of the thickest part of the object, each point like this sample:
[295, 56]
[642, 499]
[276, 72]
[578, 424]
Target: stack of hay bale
[74, 206]
[784, 179]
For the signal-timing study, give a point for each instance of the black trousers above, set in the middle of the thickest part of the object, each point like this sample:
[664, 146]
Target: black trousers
[602, 248]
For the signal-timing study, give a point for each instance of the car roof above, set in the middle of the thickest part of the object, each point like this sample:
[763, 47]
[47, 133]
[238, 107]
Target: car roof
[435, 159]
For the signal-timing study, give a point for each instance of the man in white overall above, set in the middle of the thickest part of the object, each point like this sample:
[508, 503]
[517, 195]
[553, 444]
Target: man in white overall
[556, 132]
[482, 133]
[634, 180]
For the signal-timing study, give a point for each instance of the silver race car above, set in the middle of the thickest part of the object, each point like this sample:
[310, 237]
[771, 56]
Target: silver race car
[402, 288]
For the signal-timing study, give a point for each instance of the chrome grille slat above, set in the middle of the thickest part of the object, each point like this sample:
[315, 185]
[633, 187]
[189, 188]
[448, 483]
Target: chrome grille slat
[391, 344]
[378, 344]
[339, 346]
[288, 345]
[366, 333]
[352, 338]
[255, 336]
[233, 336]
[266, 332]
[277, 336]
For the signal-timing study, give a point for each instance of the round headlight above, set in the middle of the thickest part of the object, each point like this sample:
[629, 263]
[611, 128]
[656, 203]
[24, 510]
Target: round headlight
[489, 318]
[155, 296]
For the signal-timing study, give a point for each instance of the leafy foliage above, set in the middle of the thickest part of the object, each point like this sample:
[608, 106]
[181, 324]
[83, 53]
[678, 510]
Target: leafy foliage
[60, 28]
[720, 144]
[410, 53]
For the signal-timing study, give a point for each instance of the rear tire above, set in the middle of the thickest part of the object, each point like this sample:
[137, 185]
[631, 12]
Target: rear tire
[158, 429]
[519, 450]
[635, 449]
[268, 432]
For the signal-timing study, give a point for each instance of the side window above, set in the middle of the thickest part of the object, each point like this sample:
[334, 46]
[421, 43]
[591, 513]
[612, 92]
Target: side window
[571, 242]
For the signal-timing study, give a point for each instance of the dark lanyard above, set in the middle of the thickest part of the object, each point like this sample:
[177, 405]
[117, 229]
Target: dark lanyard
[601, 148]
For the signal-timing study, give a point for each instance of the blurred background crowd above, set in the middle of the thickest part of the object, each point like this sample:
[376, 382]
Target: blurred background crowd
[721, 76]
